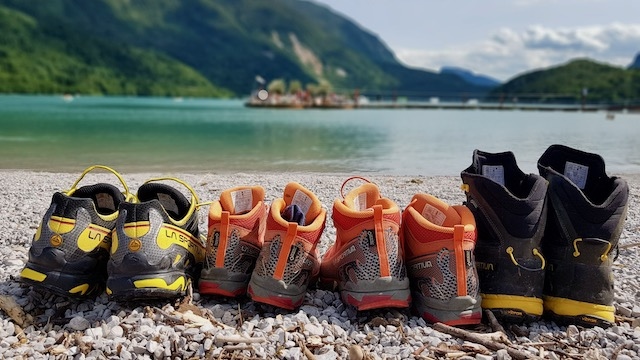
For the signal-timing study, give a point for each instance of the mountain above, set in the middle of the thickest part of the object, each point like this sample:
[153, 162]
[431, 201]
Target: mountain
[636, 62]
[566, 83]
[195, 47]
[470, 77]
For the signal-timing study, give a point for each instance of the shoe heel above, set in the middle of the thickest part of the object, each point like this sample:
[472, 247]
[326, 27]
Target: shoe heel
[274, 292]
[219, 281]
[379, 293]
[70, 285]
[462, 310]
[512, 308]
[567, 311]
[148, 286]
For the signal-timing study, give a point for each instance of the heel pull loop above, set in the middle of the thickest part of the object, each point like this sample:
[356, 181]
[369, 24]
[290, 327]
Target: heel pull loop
[222, 240]
[285, 250]
[461, 268]
[605, 255]
[127, 194]
[381, 243]
[535, 252]
[349, 180]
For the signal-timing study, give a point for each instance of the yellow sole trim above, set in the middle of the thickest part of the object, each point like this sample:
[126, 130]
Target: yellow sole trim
[33, 275]
[529, 305]
[180, 283]
[568, 307]
[82, 289]
[108, 291]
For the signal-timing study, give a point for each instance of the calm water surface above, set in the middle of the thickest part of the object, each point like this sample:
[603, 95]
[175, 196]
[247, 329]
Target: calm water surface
[199, 135]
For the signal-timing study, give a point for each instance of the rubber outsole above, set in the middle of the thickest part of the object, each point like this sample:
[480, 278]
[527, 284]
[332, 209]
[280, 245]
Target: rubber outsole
[63, 284]
[148, 286]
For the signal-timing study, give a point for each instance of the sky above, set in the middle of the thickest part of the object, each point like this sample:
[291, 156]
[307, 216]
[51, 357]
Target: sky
[500, 38]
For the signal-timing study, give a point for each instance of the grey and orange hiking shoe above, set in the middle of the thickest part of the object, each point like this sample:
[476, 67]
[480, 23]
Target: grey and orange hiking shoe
[587, 210]
[156, 250]
[439, 240]
[510, 210]
[70, 249]
[236, 234]
[289, 261]
[366, 262]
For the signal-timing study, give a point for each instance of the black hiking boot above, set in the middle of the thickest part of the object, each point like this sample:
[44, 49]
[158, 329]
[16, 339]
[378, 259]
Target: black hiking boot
[510, 211]
[587, 210]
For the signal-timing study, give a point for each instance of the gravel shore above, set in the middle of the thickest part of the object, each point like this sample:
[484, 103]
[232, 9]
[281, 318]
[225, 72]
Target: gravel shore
[43, 326]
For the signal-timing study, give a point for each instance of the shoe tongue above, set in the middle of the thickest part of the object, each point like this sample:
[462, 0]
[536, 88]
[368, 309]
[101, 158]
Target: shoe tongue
[241, 200]
[495, 166]
[581, 168]
[306, 201]
[173, 201]
[435, 210]
[363, 197]
[106, 197]
[293, 213]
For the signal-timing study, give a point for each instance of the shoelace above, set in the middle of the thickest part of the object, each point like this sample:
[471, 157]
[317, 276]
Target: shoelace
[351, 179]
[127, 194]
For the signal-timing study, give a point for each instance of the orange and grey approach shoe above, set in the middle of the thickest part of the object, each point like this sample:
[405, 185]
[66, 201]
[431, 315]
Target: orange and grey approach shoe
[156, 250]
[289, 261]
[70, 249]
[439, 240]
[236, 234]
[366, 263]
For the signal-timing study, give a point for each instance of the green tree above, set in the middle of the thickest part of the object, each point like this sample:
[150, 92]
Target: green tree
[295, 86]
[277, 86]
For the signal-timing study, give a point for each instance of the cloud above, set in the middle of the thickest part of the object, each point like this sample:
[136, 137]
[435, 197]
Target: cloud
[507, 52]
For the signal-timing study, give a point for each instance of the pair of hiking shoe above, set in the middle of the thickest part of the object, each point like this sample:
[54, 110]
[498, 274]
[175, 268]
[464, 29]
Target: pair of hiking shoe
[97, 237]
[546, 242]
[148, 246]
[366, 264]
[422, 256]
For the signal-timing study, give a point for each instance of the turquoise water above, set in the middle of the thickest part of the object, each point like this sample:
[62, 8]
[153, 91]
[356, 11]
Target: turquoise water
[222, 136]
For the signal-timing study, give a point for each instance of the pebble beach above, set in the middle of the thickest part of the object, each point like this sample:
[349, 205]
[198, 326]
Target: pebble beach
[38, 325]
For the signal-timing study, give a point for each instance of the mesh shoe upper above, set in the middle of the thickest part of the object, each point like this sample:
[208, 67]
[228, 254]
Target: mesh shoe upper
[289, 260]
[236, 234]
[366, 263]
[439, 241]
[157, 235]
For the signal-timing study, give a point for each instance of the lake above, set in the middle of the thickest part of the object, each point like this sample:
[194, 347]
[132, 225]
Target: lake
[165, 135]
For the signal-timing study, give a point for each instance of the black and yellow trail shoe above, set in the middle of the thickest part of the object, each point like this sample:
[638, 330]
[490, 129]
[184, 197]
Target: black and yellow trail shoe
[587, 210]
[156, 251]
[510, 211]
[70, 249]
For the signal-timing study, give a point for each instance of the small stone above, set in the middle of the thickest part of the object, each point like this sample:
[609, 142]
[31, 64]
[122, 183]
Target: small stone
[356, 352]
[79, 323]
[125, 355]
[483, 357]
[393, 350]
[208, 343]
[314, 329]
[116, 332]
[502, 354]
[612, 336]
[152, 346]
[624, 311]
[329, 355]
